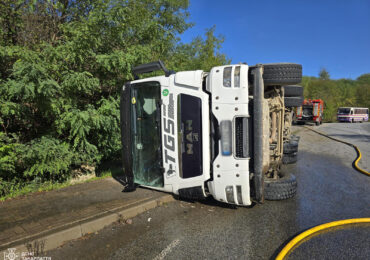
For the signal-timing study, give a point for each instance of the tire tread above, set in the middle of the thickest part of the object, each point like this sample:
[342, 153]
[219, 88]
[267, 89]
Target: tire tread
[281, 189]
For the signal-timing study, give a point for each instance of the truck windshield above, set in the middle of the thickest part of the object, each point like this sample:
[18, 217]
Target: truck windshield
[344, 111]
[145, 134]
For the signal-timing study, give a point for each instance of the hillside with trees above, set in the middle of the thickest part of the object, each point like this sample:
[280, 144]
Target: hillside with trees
[337, 93]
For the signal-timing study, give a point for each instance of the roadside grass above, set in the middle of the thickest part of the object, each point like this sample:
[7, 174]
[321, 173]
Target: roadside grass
[111, 170]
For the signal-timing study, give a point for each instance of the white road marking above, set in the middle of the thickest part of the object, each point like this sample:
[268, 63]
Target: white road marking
[167, 250]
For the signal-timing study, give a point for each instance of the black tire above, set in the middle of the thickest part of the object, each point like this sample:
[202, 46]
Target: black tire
[293, 101]
[293, 91]
[291, 147]
[289, 158]
[280, 189]
[282, 73]
[317, 123]
[295, 138]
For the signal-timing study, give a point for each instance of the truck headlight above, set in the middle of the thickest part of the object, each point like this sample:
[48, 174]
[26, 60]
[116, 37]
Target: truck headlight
[227, 77]
[229, 190]
[226, 137]
[237, 77]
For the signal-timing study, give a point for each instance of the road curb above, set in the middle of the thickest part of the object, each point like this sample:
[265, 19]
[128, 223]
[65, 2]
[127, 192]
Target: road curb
[81, 228]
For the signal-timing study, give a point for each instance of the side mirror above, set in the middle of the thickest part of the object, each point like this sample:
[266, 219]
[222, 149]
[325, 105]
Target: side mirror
[150, 67]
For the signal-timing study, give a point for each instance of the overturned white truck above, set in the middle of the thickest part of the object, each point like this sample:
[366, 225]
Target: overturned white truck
[199, 134]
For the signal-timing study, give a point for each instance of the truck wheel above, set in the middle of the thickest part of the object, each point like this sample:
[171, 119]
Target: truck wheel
[290, 147]
[293, 91]
[289, 158]
[282, 73]
[280, 189]
[295, 137]
[293, 101]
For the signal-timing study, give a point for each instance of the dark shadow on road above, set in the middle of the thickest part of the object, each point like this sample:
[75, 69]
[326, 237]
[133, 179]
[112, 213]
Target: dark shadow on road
[115, 168]
[209, 201]
[278, 250]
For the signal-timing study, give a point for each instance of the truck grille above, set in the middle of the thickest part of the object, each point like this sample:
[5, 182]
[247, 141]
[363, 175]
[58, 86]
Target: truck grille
[241, 137]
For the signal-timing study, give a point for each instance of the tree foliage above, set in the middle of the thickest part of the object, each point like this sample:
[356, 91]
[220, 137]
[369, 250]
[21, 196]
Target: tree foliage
[324, 74]
[204, 53]
[62, 65]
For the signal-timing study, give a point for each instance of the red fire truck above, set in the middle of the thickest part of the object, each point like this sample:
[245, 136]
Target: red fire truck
[311, 111]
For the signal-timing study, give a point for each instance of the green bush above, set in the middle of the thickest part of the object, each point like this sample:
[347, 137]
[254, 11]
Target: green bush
[9, 187]
[8, 156]
[46, 158]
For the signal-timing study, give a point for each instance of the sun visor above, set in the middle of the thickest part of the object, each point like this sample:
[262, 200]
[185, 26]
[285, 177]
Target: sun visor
[189, 78]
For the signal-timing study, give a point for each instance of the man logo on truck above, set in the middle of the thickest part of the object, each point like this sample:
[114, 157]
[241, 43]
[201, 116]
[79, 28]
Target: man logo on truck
[190, 137]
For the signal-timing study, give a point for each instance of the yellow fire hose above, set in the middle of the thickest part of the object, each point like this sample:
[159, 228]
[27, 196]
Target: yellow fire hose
[293, 243]
[324, 227]
[354, 146]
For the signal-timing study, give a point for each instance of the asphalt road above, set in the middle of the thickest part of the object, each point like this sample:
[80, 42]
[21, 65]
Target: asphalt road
[357, 133]
[328, 189]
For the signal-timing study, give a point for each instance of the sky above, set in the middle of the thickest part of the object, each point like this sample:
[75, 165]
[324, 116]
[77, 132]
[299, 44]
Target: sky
[330, 34]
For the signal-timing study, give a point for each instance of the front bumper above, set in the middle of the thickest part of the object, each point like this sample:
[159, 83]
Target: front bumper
[305, 119]
[231, 173]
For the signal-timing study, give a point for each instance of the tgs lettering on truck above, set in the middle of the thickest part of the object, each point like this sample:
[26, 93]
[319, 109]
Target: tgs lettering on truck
[169, 137]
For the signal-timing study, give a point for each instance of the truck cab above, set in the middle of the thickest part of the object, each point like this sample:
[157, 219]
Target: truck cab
[198, 134]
